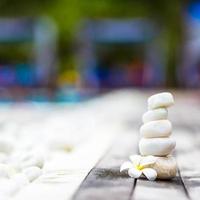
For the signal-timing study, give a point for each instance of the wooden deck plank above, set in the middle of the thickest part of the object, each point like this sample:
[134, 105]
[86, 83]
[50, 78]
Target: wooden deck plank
[112, 114]
[162, 189]
[108, 187]
[188, 161]
[186, 132]
[105, 182]
[159, 190]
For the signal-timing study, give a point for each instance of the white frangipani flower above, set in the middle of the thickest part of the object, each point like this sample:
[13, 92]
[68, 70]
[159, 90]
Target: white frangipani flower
[139, 165]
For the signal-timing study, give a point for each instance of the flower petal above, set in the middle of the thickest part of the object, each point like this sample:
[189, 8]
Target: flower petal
[132, 172]
[150, 173]
[126, 165]
[135, 159]
[147, 160]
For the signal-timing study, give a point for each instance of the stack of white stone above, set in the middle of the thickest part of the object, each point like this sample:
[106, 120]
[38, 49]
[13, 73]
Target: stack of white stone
[155, 134]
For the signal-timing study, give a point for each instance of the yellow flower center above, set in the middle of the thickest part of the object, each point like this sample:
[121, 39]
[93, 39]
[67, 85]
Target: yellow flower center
[139, 167]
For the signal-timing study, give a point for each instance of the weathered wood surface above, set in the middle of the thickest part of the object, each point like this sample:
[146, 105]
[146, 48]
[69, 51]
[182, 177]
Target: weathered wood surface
[105, 182]
[187, 134]
[95, 124]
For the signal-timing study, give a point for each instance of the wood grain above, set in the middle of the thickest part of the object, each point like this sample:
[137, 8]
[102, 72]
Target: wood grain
[105, 181]
[188, 161]
[159, 189]
[162, 189]
[186, 132]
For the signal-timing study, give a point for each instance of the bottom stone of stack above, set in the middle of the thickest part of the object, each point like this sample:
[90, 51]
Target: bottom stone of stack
[165, 167]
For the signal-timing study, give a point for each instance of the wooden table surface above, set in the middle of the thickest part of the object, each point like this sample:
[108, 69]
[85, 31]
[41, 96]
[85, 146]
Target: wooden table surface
[105, 182]
[104, 132]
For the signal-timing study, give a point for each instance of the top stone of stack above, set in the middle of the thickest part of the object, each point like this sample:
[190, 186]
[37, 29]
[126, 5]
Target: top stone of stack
[161, 100]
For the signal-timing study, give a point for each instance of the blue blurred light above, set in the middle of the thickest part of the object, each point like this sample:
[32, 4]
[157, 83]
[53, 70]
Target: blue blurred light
[194, 10]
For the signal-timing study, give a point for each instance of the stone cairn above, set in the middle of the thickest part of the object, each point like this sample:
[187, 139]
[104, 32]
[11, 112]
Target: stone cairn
[155, 135]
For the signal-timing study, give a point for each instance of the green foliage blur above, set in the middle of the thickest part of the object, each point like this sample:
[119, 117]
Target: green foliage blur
[68, 15]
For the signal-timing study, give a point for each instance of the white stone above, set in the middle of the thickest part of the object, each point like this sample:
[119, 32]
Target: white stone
[6, 171]
[3, 157]
[32, 173]
[6, 146]
[31, 159]
[160, 100]
[157, 114]
[165, 167]
[155, 129]
[20, 179]
[8, 187]
[156, 146]
[4, 196]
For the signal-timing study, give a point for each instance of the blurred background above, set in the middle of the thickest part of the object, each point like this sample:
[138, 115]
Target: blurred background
[65, 50]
